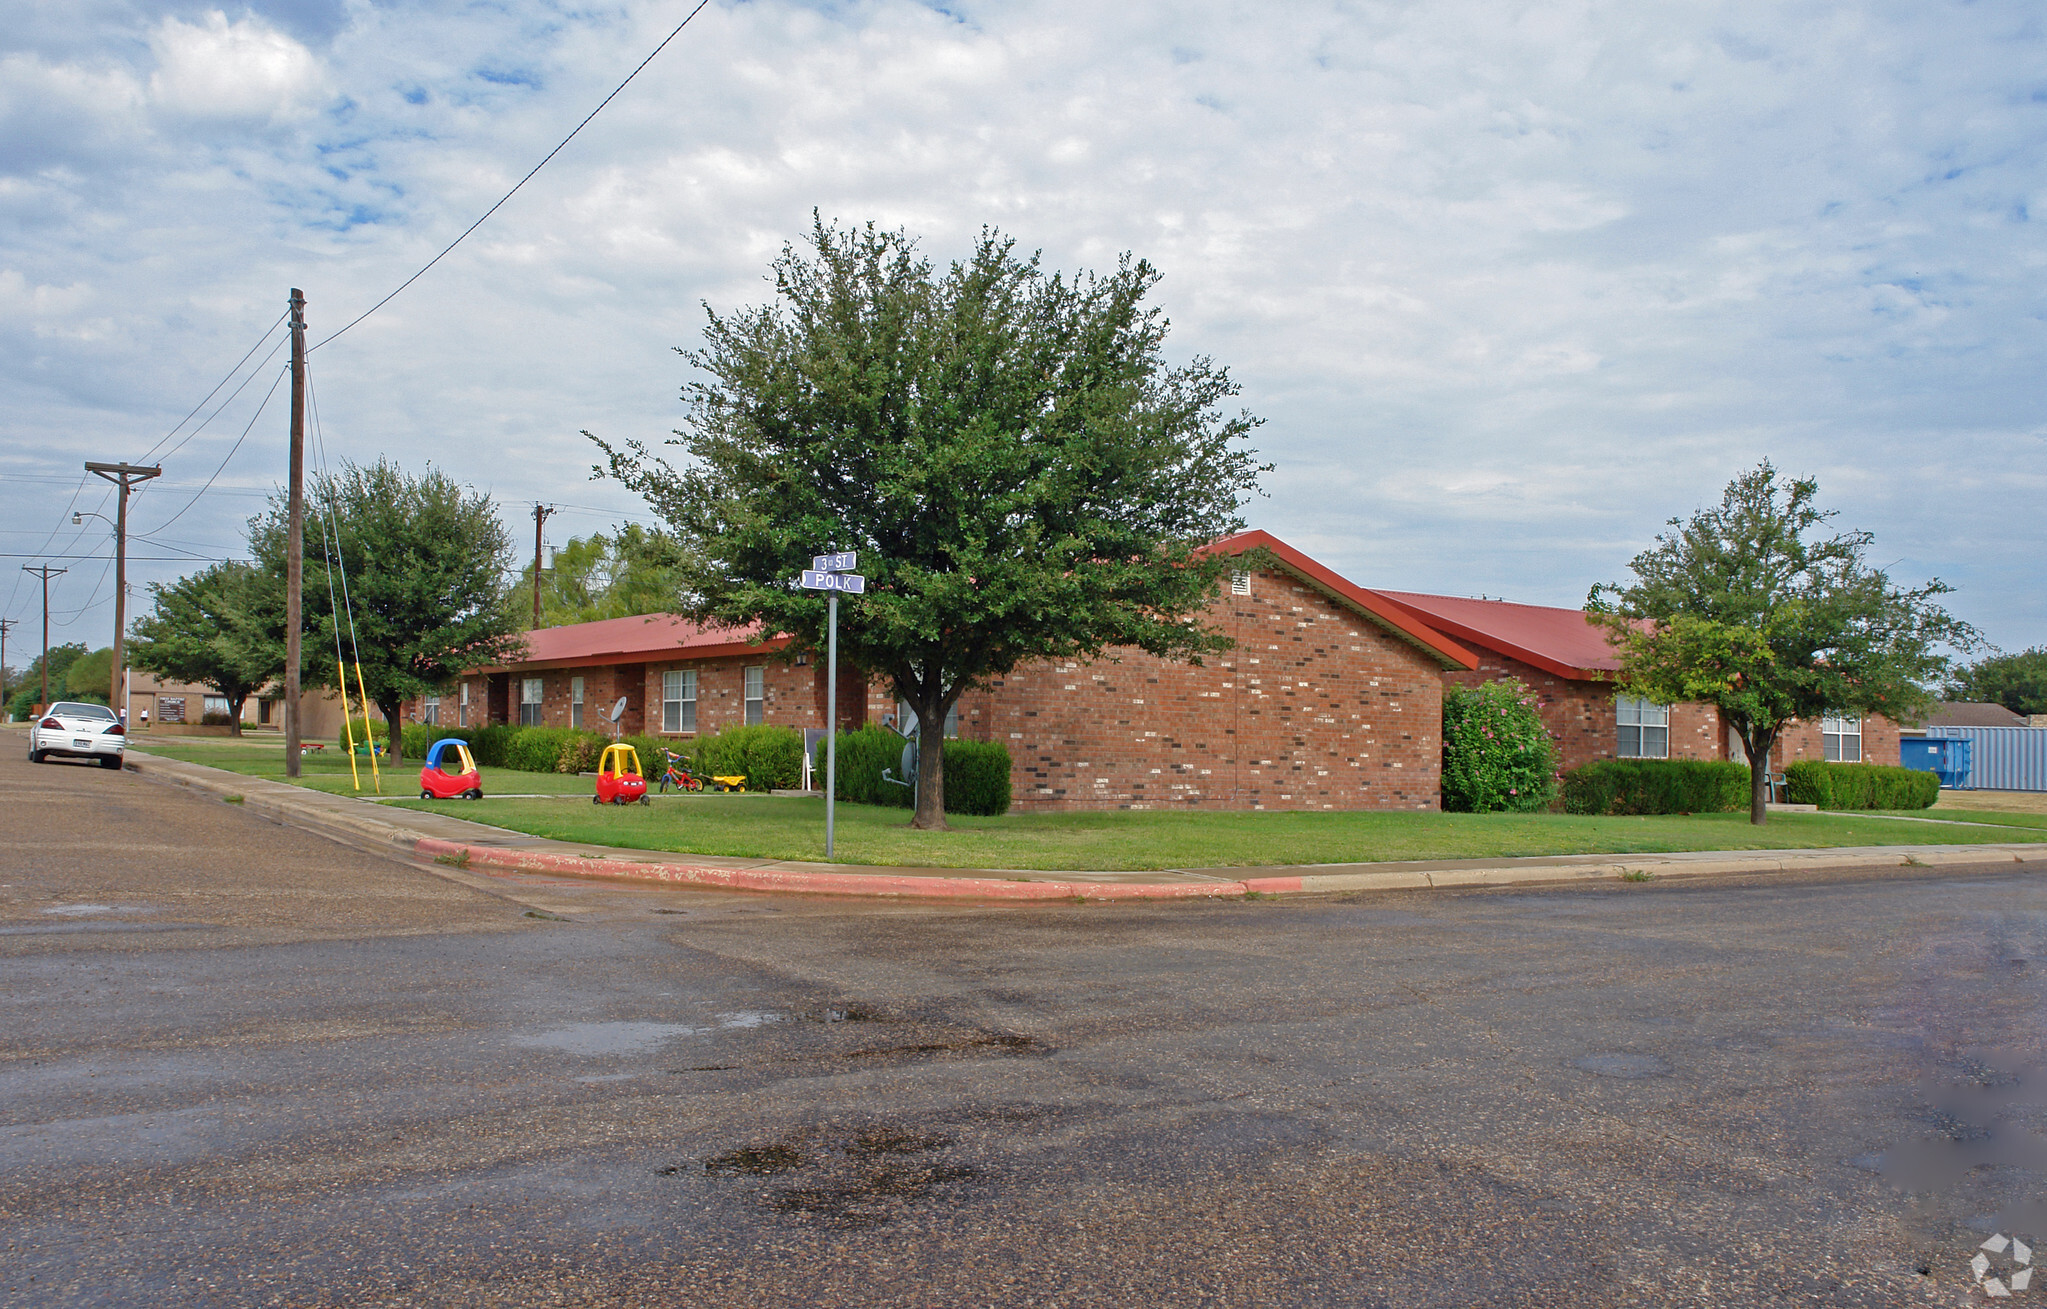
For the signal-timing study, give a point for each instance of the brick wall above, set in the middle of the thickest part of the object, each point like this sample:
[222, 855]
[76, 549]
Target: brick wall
[1580, 714]
[1315, 708]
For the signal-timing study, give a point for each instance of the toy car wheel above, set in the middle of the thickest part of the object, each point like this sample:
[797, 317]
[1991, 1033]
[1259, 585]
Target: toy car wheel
[645, 800]
[476, 794]
[425, 794]
[596, 799]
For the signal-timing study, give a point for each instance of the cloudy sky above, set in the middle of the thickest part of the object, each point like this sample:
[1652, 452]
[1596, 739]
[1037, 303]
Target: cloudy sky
[1510, 283]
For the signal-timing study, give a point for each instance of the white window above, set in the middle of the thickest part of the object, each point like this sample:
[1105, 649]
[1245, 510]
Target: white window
[756, 695]
[1644, 728]
[679, 700]
[430, 711]
[1842, 739]
[529, 702]
[1240, 583]
[462, 709]
[575, 702]
[216, 704]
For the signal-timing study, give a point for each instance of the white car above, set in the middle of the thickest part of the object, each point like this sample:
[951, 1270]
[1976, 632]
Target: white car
[82, 731]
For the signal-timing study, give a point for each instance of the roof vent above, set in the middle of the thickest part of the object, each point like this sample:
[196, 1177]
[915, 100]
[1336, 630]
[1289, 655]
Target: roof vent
[1240, 583]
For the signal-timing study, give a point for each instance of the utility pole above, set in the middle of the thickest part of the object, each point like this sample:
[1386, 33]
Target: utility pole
[5, 624]
[124, 476]
[294, 541]
[46, 572]
[540, 516]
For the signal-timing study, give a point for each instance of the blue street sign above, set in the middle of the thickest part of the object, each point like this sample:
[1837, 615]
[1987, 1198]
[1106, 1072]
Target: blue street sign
[851, 583]
[843, 562]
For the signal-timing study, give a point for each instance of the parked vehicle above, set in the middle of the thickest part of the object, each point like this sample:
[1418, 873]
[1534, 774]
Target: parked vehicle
[78, 731]
[618, 777]
[450, 773]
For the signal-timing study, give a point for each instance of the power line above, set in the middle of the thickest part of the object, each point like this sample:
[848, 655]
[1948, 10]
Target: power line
[529, 176]
[216, 391]
[224, 458]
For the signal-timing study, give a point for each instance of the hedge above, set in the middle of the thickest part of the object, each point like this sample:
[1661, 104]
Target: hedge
[771, 757]
[1497, 755]
[1656, 786]
[1860, 786]
[976, 773]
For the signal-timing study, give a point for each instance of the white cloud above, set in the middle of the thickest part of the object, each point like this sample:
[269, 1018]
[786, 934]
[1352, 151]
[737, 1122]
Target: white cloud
[1510, 285]
[233, 70]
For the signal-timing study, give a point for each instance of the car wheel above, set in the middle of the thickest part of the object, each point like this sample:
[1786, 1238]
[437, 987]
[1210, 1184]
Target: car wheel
[425, 794]
[35, 756]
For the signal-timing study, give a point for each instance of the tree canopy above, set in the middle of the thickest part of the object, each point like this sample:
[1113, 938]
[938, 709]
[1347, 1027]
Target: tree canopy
[1746, 608]
[217, 627]
[1023, 474]
[425, 563]
[2016, 681]
[635, 570]
[28, 684]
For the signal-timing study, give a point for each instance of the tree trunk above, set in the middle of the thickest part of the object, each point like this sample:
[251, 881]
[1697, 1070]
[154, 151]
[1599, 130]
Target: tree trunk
[1758, 742]
[235, 704]
[930, 767]
[396, 753]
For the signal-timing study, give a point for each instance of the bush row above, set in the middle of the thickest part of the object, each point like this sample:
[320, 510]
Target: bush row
[1859, 786]
[1656, 786]
[770, 757]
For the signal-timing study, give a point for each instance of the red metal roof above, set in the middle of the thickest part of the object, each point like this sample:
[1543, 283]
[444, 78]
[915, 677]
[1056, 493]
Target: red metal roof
[1560, 641]
[639, 639]
[1393, 618]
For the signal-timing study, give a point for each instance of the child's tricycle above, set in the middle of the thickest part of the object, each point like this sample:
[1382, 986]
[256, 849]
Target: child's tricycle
[618, 777]
[450, 774]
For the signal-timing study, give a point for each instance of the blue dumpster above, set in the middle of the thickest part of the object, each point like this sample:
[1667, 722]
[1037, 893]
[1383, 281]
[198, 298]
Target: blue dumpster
[1946, 757]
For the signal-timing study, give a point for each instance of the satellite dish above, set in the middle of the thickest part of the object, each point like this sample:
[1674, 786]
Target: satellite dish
[618, 710]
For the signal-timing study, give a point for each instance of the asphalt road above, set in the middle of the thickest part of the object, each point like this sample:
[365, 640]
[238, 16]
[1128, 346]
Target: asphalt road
[240, 1065]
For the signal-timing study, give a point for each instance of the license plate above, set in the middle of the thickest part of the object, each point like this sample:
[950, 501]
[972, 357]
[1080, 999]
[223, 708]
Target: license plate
[81, 743]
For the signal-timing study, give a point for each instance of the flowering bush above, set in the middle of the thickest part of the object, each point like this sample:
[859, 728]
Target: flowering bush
[1496, 753]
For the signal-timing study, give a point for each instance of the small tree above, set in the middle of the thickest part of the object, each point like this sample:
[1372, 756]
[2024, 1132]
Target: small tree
[1742, 608]
[2016, 681]
[28, 691]
[89, 676]
[214, 628]
[632, 571]
[425, 563]
[1024, 476]
[1497, 755]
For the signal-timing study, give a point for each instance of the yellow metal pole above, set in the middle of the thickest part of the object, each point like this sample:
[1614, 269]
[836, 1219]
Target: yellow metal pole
[348, 733]
[363, 694]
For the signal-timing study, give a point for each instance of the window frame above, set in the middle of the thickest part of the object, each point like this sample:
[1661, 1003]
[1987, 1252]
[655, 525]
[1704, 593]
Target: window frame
[754, 678]
[679, 711]
[1835, 751]
[576, 702]
[430, 710]
[462, 708]
[536, 687]
[1631, 714]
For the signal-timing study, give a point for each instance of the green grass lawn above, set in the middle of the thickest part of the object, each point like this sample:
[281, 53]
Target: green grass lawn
[2003, 818]
[770, 827]
[263, 756]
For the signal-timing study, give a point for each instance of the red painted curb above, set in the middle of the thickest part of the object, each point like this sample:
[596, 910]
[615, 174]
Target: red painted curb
[801, 883]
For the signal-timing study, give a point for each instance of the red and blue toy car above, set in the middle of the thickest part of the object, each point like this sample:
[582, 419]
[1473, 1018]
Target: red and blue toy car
[450, 774]
[618, 777]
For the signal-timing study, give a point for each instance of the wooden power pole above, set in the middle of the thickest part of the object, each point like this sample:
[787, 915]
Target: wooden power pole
[45, 572]
[5, 625]
[540, 515]
[124, 476]
[294, 541]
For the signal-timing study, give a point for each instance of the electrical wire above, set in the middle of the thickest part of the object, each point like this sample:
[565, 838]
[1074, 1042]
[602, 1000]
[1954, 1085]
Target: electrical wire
[522, 181]
[216, 390]
[281, 373]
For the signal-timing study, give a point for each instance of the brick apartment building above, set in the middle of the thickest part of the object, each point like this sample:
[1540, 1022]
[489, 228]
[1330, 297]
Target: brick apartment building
[1561, 656]
[1332, 697]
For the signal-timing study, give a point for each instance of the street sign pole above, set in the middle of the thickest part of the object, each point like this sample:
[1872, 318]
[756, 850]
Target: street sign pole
[831, 717]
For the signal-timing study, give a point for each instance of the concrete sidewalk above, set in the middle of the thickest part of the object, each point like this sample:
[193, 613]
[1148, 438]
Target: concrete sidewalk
[458, 842]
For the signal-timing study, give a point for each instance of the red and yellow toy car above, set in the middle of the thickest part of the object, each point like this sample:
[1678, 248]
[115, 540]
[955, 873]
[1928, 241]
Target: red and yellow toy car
[618, 777]
[450, 774]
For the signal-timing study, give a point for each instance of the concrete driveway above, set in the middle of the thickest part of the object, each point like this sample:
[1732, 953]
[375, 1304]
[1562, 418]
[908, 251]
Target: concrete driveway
[242, 1065]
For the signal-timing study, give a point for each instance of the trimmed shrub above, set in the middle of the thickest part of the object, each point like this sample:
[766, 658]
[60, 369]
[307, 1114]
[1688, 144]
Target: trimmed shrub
[1497, 755]
[538, 749]
[1657, 786]
[771, 757]
[1860, 786]
[976, 773]
[976, 778]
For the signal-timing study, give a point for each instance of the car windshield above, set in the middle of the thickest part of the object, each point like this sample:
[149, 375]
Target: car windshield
[66, 709]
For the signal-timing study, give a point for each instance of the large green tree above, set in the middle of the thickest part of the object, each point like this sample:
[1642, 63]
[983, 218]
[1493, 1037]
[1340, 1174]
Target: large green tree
[2016, 681]
[28, 686]
[423, 565]
[1023, 474]
[635, 570]
[1745, 607]
[217, 627]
